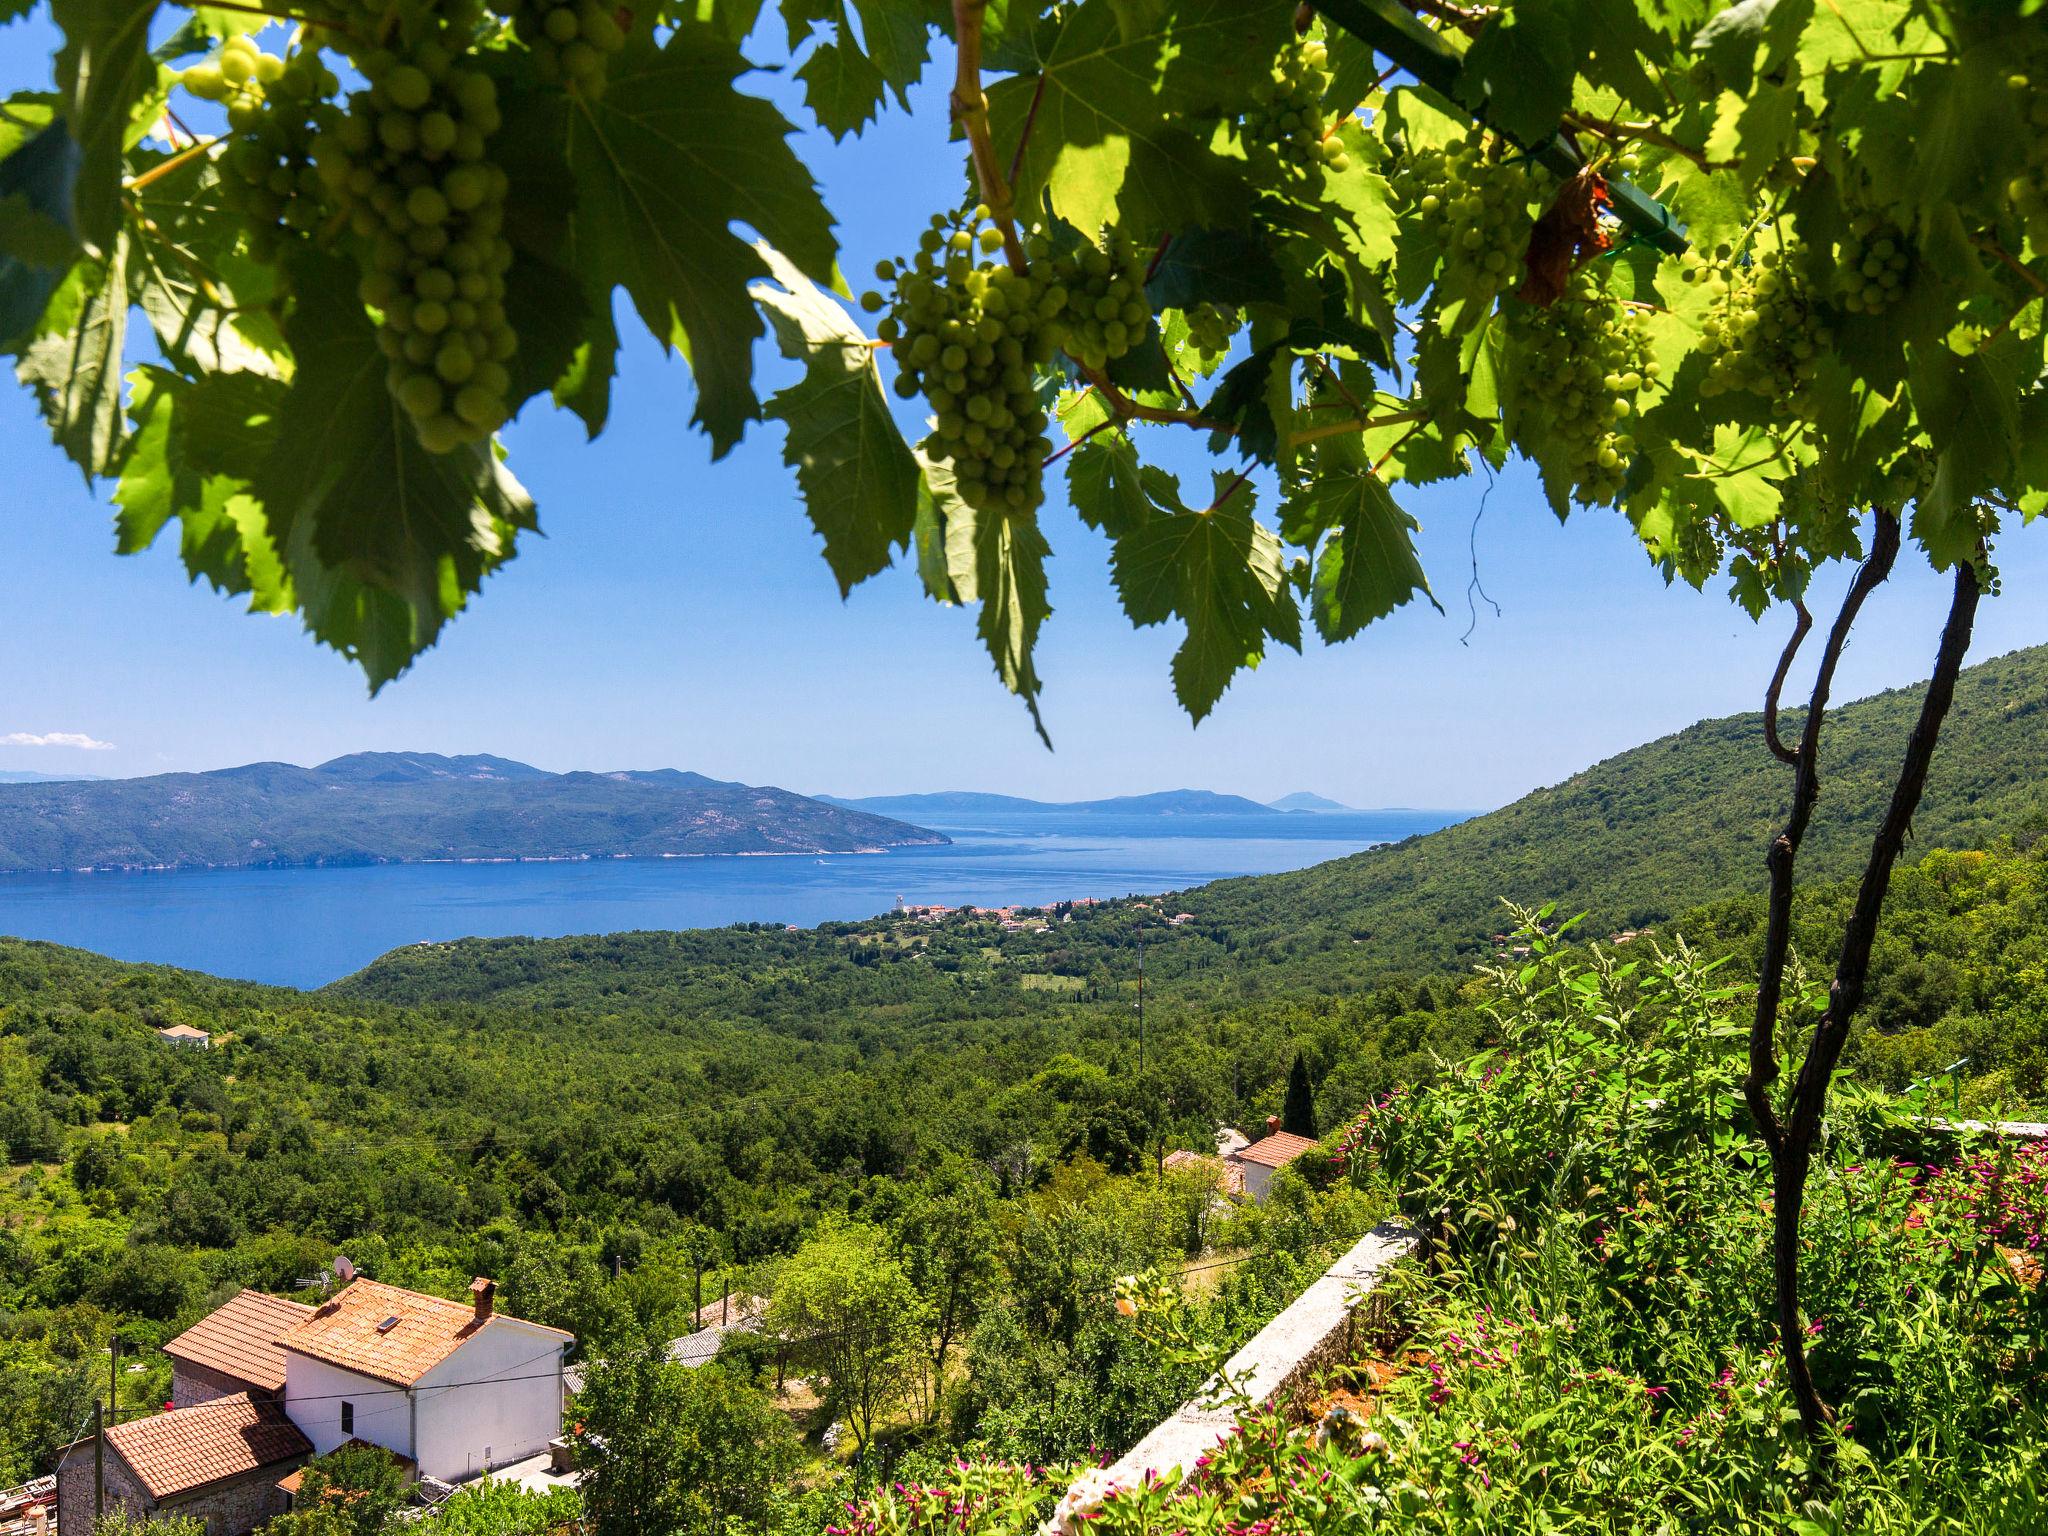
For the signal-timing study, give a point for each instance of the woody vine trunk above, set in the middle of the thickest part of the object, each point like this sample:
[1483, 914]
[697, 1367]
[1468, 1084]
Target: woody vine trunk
[1789, 1132]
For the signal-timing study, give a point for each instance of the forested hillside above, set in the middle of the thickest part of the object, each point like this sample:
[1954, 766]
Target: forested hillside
[1632, 841]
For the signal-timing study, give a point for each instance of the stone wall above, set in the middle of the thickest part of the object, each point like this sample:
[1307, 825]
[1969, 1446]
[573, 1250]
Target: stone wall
[192, 1385]
[75, 1502]
[1279, 1365]
[235, 1509]
[228, 1509]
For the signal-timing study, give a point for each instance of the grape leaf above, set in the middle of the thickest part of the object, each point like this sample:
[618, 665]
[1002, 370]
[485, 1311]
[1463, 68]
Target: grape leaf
[847, 76]
[1369, 567]
[73, 362]
[664, 164]
[105, 72]
[224, 538]
[998, 560]
[857, 474]
[1215, 266]
[1105, 486]
[1222, 573]
[38, 172]
[1518, 72]
[349, 485]
[1113, 114]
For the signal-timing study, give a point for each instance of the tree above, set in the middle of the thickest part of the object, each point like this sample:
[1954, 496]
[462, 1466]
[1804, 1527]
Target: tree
[947, 1238]
[844, 1305]
[351, 1491]
[671, 1451]
[1299, 1113]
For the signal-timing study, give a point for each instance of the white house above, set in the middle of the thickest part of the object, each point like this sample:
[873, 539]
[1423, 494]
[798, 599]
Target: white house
[1265, 1157]
[455, 1389]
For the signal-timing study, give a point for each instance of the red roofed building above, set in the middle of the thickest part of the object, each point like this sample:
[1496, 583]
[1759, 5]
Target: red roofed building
[218, 1462]
[1266, 1157]
[457, 1388]
[233, 1348]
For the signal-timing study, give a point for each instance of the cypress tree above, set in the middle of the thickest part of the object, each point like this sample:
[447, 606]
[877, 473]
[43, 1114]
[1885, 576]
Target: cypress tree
[1299, 1114]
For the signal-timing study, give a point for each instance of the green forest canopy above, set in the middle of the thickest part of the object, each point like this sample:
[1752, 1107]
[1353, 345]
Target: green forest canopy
[1351, 252]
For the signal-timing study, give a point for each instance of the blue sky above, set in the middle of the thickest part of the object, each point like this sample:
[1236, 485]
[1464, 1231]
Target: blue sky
[678, 614]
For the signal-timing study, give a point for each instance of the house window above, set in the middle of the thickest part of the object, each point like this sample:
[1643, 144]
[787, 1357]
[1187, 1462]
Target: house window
[348, 1418]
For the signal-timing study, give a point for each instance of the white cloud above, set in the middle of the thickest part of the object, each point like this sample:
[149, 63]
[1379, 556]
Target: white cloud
[55, 739]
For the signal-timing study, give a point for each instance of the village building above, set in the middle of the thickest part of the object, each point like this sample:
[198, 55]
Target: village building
[456, 1389]
[234, 1348]
[185, 1034]
[1267, 1156]
[218, 1462]
[261, 1385]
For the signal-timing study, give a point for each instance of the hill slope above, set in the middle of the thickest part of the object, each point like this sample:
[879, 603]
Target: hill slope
[397, 807]
[1635, 840]
[1667, 826]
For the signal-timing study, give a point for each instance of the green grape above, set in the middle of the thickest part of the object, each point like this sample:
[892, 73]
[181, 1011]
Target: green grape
[1476, 207]
[1761, 334]
[572, 41]
[1578, 369]
[429, 221]
[266, 171]
[1104, 314]
[968, 335]
[1285, 124]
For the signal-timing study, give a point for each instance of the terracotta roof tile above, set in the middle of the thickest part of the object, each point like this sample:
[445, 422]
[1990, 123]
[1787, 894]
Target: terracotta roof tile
[347, 1331]
[188, 1448]
[1276, 1150]
[239, 1339]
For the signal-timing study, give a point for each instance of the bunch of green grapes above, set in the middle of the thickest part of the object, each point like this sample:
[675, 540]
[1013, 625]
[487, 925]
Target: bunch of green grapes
[1285, 119]
[1761, 334]
[967, 331]
[366, 27]
[572, 40]
[2029, 189]
[1580, 366]
[1103, 313]
[1865, 271]
[267, 173]
[1476, 207]
[410, 165]
[1212, 328]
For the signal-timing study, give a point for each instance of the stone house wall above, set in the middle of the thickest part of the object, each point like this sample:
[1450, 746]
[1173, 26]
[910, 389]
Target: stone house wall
[193, 1384]
[228, 1509]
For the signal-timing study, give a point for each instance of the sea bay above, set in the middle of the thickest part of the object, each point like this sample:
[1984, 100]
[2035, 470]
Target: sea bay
[305, 927]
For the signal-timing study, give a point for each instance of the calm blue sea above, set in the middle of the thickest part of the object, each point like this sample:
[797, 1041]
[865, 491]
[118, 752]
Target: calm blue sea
[306, 927]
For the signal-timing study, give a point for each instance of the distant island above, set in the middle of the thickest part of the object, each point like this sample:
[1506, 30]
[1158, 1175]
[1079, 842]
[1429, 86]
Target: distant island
[415, 807]
[31, 776]
[962, 802]
[1303, 800]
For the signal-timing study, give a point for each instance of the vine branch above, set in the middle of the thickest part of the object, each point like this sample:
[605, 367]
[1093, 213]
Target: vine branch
[1779, 750]
[970, 111]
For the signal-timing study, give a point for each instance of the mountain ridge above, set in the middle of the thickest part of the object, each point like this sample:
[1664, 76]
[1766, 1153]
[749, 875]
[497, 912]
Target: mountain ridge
[412, 807]
[1168, 802]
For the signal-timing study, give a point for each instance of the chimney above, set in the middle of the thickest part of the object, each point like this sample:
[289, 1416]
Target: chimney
[485, 1293]
[1272, 1125]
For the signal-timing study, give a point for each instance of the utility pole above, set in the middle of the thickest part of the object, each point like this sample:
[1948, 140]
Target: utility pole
[1140, 929]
